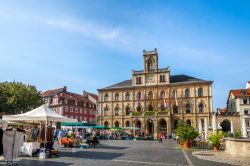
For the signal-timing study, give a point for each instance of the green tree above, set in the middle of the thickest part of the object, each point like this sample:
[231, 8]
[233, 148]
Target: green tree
[16, 97]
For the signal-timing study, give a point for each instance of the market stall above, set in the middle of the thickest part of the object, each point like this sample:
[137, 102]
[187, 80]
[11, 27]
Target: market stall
[41, 115]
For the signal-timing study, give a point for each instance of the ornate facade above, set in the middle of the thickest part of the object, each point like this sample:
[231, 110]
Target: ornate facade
[154, 100]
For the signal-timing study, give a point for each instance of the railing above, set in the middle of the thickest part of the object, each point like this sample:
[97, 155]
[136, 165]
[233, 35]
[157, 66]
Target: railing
[136, 113]
[149, 113]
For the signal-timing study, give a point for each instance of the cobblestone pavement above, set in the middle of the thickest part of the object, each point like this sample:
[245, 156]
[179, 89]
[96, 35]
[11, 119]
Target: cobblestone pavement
[220, 156]
[122, 153]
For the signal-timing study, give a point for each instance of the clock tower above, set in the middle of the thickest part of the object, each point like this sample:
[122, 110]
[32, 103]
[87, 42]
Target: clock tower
[151, 75]
[150, 61]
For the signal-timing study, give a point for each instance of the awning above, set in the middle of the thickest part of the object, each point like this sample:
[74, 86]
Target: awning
[74, 124]
[42, 113]
[101, 127]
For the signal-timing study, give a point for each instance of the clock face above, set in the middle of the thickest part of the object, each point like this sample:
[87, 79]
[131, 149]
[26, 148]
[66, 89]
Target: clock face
[150, 78]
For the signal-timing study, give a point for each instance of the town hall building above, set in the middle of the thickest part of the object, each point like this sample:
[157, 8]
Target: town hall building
[154, 100]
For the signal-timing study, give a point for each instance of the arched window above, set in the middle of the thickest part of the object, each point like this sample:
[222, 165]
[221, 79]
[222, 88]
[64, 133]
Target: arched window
[149, 65]
[106, 97]
[116, 111]
[200, 92]
[187, 92]
[150, 107]
[116, 124]
[174, 94]
[116, 97]
[202, 124]
[106, 109]
[127, 124]
[138, 96]
[150, 95]
[138, 108]
[127, 96]
[162, 94]
[188, 108]
[201, 108]
[127, 110]
[175, 109]
[189, 123]
[106, 124]
[162, 107]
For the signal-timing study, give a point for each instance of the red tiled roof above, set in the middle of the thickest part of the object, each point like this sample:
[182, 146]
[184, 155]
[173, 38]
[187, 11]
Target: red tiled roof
[78, 97]
[222, 110]
[51, 92]
[240, 92]
[94, 96]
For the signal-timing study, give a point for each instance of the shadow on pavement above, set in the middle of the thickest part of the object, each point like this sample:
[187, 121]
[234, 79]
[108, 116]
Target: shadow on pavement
[91, 155]
[112, 147]
[25, 162]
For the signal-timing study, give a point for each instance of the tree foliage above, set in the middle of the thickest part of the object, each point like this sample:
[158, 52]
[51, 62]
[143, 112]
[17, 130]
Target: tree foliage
[16, 97]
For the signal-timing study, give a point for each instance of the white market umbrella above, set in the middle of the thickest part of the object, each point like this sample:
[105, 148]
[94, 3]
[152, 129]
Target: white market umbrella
[42, 113]
[3, 124]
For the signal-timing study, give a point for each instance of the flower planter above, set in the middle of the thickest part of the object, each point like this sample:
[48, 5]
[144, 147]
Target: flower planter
[187, 145]
[216, 148]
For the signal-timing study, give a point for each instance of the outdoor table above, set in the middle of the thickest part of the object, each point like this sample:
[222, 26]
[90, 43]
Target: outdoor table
[29, 147]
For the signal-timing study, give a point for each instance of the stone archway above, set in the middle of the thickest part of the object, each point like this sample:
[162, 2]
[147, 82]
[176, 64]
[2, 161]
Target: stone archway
[137, 123]
[117, 124]
[162, 126]
[225, 125]
[175, 124]
[106, 123]
[150, 126]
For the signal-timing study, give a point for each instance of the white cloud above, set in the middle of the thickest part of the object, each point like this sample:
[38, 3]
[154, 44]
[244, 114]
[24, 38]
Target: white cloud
[88, 29]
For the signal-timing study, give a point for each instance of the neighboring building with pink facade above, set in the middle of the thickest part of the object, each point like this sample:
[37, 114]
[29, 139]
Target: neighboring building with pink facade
[81, 107]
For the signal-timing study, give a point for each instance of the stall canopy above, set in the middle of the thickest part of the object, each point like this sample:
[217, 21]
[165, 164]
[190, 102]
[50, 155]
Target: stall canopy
[73, 124]
[101, 127]
[42, 113]
[131, 128]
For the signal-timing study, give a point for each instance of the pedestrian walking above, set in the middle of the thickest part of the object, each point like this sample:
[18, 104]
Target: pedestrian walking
[160, 137]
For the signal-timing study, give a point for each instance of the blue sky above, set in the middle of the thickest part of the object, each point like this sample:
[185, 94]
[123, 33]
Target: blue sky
[87, 45]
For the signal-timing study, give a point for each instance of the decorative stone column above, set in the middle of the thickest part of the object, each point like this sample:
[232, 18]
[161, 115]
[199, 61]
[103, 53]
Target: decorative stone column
[200, 126]
[214, 124]
[206, 128]
[155, 128]
[244, 127]
[232, 127]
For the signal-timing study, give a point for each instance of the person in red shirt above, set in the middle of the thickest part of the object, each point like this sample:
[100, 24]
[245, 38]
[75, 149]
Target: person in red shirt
[160, 137]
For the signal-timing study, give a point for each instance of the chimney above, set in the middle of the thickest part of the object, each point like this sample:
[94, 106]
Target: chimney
[85, 94]
[248, 85]
[65, 88]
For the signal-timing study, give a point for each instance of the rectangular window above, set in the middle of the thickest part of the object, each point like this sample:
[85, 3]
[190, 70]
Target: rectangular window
[66, 109]
[162, 78]
[246, 112]
[138, 80]
[245, 101]
[80, 110]
[71, 109]
[76, 110]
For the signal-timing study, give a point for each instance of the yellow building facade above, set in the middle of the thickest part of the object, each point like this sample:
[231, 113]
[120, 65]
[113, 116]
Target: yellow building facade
[154, 100]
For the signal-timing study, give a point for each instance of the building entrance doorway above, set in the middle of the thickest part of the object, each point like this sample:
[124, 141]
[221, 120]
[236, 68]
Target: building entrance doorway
[150, 127]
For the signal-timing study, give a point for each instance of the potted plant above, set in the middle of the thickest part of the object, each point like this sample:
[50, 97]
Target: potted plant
[216, 140]
[186, 134]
